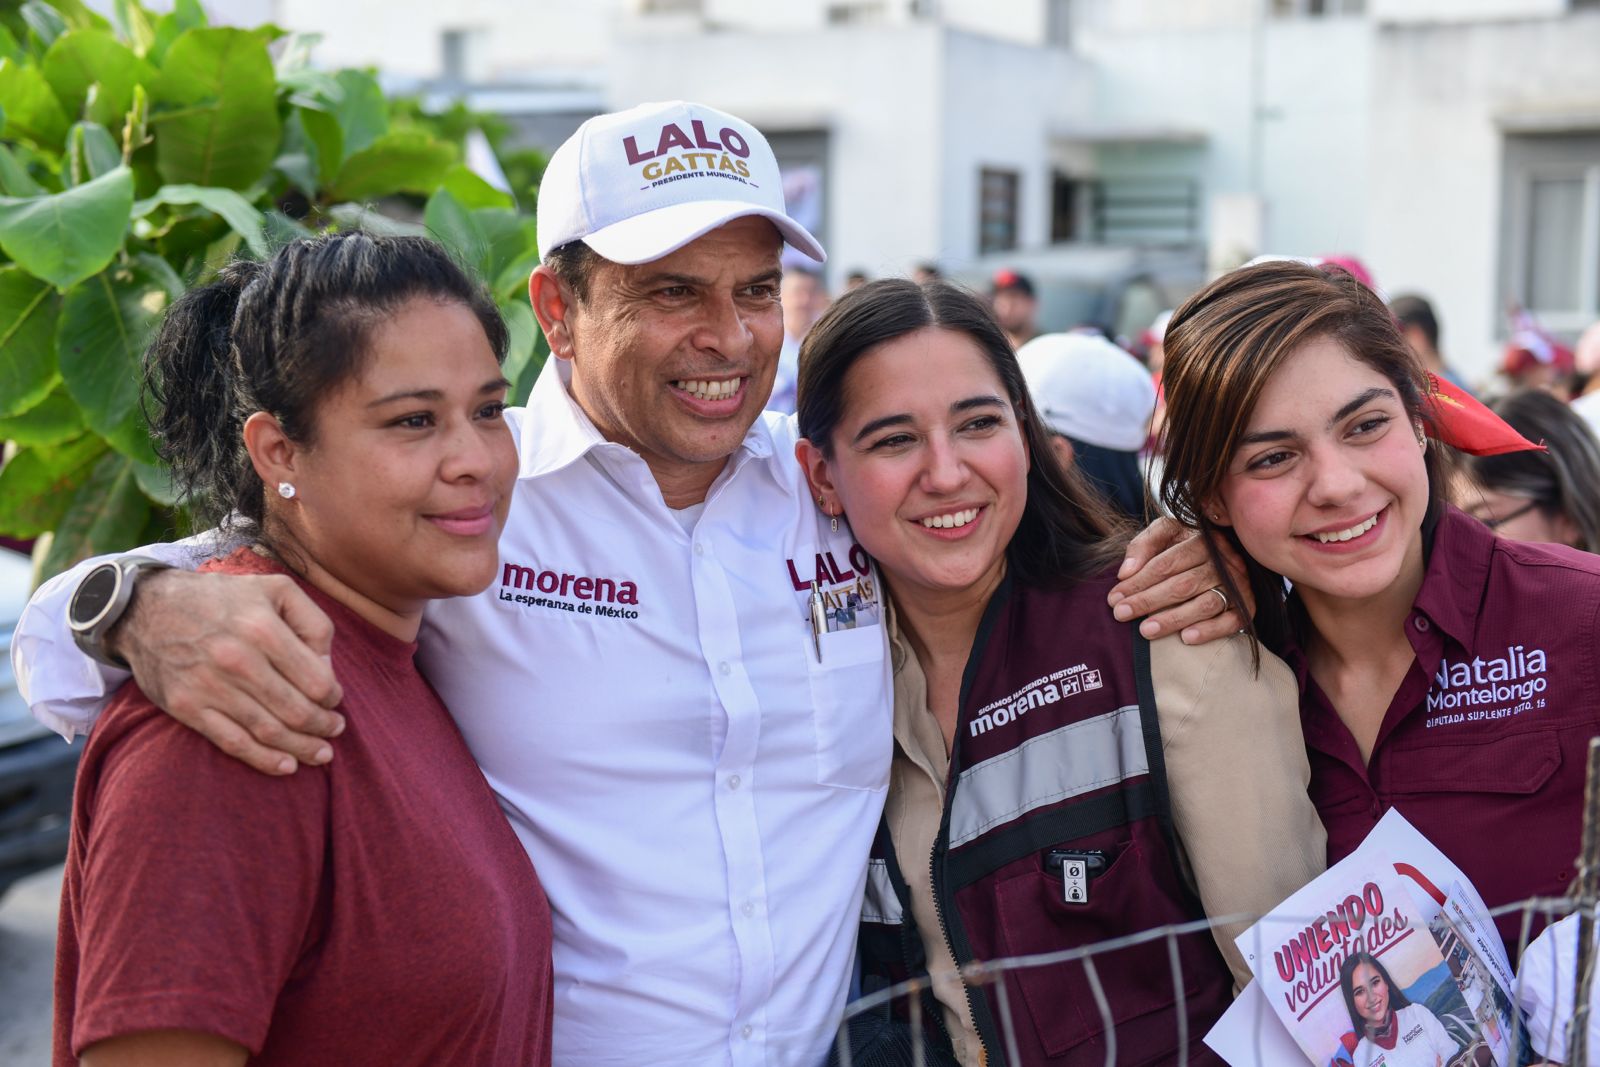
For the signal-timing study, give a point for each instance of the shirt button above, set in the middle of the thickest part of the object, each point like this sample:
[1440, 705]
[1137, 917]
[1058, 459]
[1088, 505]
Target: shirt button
[1421, 623]
[748, 908]
[735, 782]
[724, 669]
[747, 1031]
[699, 548]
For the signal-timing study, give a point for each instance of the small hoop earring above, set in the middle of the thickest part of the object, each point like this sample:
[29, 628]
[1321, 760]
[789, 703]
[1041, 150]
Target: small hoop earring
[286, 490]
[833, 523]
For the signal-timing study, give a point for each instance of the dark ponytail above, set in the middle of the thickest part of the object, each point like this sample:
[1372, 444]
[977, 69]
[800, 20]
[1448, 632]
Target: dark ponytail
[278, 337]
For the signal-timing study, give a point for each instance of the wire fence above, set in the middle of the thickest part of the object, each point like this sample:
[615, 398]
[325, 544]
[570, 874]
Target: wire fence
[1000, 978]
[906, 1000]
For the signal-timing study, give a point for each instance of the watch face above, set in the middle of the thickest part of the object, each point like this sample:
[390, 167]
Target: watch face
[94, 593]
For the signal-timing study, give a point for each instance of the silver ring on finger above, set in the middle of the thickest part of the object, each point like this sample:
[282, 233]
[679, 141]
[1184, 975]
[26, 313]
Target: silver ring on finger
[1220, 596]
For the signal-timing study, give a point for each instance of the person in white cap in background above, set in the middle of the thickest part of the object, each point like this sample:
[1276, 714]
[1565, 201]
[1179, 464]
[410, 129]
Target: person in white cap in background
[695, 765]
[1097, 400]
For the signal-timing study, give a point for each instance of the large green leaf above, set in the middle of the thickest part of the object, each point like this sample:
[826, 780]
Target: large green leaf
[473, 191]
[455, 227]
[524, 332]
[66, 237]
[106, 514]
[223, 129]
[91, 152]
[240, 215]
[134, 24]
[78, 16]
[45, 21]
[402, 161]
[185, 15]
[32, 112]
[36, 486]
[106, 322]
[53, 419]
[81, 58]
[29, 309]
[14, 177]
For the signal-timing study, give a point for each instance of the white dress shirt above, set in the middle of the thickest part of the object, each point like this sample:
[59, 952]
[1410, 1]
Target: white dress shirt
[697, 790]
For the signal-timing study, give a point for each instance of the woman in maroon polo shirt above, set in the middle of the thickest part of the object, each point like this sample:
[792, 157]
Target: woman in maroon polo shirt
[1443, 671]
[342, 403]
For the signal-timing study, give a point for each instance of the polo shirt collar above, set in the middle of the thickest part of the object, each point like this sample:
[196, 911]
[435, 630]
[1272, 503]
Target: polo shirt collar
[555, 431]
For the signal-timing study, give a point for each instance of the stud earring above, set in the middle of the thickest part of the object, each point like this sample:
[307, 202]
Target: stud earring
[286, 490]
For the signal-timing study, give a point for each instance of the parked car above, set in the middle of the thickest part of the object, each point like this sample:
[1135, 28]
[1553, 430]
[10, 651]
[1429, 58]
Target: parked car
[36, 766]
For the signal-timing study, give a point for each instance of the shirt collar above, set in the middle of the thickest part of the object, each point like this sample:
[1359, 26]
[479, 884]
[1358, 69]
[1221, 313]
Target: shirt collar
[555, 431]
[1456, 573]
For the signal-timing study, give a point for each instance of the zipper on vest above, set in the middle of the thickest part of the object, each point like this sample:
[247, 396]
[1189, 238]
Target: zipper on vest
[949, 943]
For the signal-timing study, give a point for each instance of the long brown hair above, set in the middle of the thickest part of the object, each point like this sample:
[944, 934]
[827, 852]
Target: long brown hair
[1222, 346]
[1068, 531]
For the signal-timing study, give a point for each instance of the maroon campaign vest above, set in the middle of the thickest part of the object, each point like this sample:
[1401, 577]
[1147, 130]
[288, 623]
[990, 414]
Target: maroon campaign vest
[1057, 760]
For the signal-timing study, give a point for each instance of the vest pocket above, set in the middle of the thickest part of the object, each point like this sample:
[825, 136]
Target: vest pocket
[1137, 981]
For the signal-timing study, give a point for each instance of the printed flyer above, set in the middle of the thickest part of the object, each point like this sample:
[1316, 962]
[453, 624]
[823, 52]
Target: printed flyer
[1372, 965]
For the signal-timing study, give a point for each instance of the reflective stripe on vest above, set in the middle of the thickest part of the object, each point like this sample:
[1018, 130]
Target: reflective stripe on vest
[881, 904]
[1065, 762]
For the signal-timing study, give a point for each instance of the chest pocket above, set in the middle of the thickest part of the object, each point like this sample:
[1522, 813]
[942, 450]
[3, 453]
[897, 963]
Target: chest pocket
[851, 708]
[1517, 766]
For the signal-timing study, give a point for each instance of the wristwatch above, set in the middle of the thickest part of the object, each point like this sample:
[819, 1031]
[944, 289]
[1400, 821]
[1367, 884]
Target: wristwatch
[99, 601]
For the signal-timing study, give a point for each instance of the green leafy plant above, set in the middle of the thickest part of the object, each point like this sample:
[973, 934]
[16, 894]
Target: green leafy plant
[137, 155]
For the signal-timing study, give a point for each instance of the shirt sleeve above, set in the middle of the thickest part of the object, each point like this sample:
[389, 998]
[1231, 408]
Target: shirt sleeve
[65, 689]
[1439, 1040]
[1238, 776]
[199, 884]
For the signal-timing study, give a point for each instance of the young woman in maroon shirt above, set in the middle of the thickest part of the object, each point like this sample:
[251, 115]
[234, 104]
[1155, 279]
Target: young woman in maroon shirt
[1443, 671]
[342, 402]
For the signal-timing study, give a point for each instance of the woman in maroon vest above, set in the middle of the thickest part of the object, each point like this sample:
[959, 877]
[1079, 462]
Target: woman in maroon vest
[1444, 671]
[1057, 780]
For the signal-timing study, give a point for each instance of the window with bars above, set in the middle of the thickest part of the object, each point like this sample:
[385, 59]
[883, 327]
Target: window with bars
[1551, 226]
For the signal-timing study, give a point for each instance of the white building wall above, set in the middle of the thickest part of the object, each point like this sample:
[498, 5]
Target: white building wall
[1462, 10]
[532, 39]
[1282, 105]
[1000, 103]
[874, 91]
[1436, 156]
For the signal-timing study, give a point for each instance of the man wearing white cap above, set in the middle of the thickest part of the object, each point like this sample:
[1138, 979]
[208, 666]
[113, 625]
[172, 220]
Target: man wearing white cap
[1097, 400]
[643, 688]
[694, 765]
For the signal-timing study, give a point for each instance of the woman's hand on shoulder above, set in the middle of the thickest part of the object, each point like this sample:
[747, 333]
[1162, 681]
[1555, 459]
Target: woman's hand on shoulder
[1168, 577]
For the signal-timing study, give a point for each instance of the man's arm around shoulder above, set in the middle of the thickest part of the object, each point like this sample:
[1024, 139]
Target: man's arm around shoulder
[242, 659]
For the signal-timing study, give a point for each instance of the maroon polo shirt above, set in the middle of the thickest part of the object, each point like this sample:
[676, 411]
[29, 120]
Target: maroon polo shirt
[1484, 747]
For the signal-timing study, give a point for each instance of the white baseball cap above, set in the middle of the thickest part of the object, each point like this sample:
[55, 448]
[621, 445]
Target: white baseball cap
[1089, 389]
[639, 184]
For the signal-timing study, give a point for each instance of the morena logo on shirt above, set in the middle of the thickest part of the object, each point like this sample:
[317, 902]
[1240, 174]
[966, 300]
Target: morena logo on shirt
[589, 595]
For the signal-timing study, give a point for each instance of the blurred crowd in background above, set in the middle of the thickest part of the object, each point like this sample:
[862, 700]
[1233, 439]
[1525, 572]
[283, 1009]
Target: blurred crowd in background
[1101, 393]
